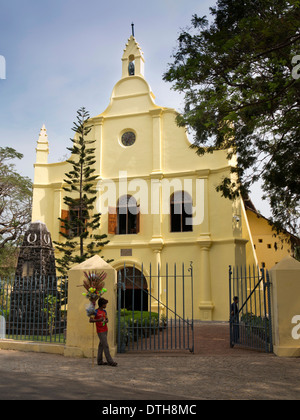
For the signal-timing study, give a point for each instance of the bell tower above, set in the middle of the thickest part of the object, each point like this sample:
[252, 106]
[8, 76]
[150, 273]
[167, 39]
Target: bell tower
[133, 58]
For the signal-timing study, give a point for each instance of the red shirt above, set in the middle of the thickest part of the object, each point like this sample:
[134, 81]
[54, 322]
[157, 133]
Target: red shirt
[101, 325]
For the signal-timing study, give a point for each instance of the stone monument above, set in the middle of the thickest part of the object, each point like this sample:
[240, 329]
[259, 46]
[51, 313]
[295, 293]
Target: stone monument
[36, 257]
[35, 281]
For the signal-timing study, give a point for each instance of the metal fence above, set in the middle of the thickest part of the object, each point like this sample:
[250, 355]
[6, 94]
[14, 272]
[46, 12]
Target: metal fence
[33, 308]
[250, 309]
[155, 310]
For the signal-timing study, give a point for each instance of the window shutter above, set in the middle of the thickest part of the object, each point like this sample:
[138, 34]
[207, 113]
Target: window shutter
[64, 215]
[112, 220]
[138, 219]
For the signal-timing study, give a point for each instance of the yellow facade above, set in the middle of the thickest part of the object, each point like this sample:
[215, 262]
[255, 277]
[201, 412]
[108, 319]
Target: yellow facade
[269, 248]
[156, 165]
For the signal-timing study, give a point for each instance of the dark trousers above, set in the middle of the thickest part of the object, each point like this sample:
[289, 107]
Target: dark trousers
[235, 331]
[103, 347]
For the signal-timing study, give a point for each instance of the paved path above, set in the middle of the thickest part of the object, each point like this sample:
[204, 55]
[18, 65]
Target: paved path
[214, 372]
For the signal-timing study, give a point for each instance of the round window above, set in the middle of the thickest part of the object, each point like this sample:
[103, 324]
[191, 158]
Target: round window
[128, 138]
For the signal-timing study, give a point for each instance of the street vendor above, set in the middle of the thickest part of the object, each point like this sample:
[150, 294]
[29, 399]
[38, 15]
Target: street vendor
[101, 320]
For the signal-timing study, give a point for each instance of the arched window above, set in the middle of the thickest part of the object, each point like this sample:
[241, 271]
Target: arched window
[181, 208]
[128, 215]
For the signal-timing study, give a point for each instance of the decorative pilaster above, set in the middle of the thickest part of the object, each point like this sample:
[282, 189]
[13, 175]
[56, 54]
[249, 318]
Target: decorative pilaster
[157, 245]
[156, 209]
[57, 204]
[206, 305]
[157, 141]
[98, 125]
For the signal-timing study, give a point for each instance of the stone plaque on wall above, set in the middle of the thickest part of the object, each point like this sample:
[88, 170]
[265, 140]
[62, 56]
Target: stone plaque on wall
[126, 252]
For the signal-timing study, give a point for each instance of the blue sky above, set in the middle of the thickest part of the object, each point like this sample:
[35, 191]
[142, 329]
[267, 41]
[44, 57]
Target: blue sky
[64, 54]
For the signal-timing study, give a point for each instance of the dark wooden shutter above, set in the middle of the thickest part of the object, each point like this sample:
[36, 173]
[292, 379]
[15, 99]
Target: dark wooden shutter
[138, 219]
[112, 220]
[65, 214]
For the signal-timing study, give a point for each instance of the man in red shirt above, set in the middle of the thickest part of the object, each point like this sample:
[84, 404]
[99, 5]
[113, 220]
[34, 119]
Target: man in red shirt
[101, 325]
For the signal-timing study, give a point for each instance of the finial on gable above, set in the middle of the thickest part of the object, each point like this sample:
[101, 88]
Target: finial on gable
[43, 137]
[132, 29]
[42, 149]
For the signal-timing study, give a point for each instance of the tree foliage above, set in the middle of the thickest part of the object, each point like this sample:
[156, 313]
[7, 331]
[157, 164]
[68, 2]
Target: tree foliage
[15, 199]
[78, 230]
[242, 94]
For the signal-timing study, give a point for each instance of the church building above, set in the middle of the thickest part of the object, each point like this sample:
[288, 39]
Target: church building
[158, 199]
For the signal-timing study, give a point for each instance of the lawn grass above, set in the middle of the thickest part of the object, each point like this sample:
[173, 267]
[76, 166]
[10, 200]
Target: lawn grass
[55, 338]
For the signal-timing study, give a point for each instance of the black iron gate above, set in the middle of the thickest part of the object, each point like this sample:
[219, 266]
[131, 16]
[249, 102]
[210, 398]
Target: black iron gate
[33, 308]
[155, 310]
[250, 309]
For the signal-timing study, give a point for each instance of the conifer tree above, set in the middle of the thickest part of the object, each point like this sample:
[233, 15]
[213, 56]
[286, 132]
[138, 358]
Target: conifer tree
[80, 224]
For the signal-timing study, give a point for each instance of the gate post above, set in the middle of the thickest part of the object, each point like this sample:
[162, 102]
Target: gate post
[81, 334]
[2, 327]
[285, 277]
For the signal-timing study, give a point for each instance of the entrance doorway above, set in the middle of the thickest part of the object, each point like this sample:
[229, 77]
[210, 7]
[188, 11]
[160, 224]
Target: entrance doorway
[135, 295]
[250, 309]
[155, 311]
